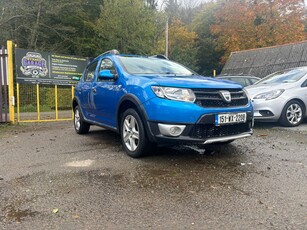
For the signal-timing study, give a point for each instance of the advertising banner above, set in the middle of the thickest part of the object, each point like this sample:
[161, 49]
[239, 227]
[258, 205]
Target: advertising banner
[48, 68]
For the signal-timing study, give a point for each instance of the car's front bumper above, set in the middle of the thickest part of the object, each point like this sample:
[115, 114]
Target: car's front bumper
[268, 110]
[204, 131]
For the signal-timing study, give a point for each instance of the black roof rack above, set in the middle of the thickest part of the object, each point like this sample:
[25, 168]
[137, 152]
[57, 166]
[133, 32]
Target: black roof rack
[114, 51]
[161, 56]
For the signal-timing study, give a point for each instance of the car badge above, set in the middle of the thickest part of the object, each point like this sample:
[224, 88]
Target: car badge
[226, 96]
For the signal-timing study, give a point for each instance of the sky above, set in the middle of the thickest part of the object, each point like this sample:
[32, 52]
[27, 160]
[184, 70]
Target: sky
[160, 2]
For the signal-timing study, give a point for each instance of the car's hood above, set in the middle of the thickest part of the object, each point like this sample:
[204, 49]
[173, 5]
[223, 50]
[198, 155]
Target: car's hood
[253, 90]
[192, 82]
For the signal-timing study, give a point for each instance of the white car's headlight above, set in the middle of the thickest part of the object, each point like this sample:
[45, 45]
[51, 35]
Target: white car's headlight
[177, 94]
[269, 95]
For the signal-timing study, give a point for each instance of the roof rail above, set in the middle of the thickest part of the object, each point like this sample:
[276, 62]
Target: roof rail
[161, 56]
[114, 51]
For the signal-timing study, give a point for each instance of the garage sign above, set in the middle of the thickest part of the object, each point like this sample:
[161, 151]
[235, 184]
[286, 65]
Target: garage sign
[48, 68]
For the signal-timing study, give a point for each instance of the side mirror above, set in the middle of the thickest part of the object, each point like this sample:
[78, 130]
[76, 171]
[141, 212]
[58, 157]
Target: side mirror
[106, 74]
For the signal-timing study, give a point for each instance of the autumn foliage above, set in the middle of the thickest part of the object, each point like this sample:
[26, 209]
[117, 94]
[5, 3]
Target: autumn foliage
[182, 41]
[251, 24]
[201, 34]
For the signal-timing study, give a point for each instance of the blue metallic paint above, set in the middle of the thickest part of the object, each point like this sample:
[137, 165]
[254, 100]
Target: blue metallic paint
[100, 101]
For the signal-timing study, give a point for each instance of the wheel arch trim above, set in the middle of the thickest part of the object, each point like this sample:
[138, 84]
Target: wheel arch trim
[130, 98]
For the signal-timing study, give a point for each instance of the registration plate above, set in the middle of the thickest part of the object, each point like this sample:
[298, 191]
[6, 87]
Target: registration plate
[230, 118]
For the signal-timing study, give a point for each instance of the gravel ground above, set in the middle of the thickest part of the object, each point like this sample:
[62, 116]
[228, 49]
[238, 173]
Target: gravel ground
[52, 178]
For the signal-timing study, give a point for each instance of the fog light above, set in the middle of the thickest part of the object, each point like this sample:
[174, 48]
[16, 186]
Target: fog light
[171, 130]
[175, 131]
[266, 113]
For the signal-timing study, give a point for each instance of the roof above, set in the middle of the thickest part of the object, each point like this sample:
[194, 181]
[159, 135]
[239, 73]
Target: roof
[263, 61]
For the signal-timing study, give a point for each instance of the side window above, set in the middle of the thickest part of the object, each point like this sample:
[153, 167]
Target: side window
[246, 82]
[90, 72]
[107, 64]
[304, 84]
[253, 81]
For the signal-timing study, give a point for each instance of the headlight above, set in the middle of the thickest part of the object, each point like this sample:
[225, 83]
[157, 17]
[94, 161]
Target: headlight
[269, 95]
[177, 94]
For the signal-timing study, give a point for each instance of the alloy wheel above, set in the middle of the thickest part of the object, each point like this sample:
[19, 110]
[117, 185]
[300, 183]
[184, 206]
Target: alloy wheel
[131, 133]
[77, 119]
[294, 114]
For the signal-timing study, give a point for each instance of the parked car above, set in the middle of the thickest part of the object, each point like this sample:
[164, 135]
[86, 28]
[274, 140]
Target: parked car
[281, 96]
[242, 80]
[152, 100]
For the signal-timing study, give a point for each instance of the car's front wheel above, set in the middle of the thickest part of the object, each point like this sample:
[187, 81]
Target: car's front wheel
[133, 134]
[292, 114]
[81, 127]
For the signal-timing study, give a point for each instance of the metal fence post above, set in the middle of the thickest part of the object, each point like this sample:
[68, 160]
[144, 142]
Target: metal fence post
[11, 81]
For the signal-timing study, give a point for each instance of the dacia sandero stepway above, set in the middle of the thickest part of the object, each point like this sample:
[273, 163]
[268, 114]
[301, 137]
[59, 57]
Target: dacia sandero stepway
[152, 101]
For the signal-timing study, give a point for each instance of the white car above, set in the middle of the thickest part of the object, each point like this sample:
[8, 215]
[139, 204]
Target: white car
[240, 79]
[281, 96]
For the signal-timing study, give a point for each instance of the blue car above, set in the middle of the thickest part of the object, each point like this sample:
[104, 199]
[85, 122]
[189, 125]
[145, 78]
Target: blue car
[153, 101]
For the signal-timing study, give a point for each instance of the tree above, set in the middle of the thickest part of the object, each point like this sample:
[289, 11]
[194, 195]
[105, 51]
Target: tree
[250, 24]
[208, 55]
[188, 11]
[181, 44]
[126, 25]
[55, 25]
[172, 9]
[152, 3]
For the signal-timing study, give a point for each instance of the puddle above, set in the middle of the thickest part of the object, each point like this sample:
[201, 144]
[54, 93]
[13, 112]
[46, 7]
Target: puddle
[16, 215]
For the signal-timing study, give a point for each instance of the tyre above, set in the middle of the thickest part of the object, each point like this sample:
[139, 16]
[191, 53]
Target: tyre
[81, 127]
[292, 114]
[133, 134]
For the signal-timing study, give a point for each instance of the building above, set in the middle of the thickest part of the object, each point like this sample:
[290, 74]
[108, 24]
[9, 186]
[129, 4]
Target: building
[263, 61]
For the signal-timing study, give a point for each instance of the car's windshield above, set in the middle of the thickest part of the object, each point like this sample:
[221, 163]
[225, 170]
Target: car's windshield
[285, 76]
[144, 65]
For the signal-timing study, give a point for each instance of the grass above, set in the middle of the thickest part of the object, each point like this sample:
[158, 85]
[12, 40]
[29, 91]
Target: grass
[33, 108]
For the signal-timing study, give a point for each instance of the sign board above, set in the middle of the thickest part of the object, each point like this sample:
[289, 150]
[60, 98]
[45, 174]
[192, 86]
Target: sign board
[48, 68]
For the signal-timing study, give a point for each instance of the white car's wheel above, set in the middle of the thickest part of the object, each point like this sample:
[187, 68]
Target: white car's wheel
[292, 114]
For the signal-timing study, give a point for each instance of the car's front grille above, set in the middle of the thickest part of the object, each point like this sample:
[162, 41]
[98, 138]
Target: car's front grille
[210, 130]
[211, 98]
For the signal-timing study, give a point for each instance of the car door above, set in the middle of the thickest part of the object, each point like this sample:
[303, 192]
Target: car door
[106, 94]
[86, 90]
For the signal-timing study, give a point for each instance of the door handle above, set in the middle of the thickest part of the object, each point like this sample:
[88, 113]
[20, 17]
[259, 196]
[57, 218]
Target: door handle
[94, 90]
